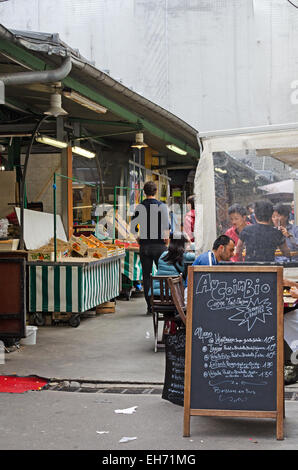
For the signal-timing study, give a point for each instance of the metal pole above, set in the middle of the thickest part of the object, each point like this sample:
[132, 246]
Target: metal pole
[97, 201]
[23, 180]
[114, 214]
[55, 228]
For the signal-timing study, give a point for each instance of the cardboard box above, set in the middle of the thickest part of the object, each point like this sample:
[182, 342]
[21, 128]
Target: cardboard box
[9, 245]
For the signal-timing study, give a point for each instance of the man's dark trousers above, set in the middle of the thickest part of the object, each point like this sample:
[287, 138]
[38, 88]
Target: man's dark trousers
[148, 253]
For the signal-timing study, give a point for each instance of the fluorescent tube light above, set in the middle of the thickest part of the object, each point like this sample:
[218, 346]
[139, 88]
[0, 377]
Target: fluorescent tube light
[80, 99]
[83, 152]
[43, 139]
[220, 170]
[176, 149]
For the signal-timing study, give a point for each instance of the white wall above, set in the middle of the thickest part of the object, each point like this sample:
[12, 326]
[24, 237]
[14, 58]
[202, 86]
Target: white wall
[215, 63]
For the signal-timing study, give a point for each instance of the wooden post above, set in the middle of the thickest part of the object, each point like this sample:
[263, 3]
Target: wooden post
[193, 401]
[187, 370]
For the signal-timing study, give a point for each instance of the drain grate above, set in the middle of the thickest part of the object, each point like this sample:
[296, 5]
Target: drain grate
[125, 389]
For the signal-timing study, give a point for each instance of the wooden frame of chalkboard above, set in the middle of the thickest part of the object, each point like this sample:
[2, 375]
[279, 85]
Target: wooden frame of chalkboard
[234, 357]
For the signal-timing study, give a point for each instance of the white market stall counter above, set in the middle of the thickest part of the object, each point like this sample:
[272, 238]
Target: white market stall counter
[72, 285]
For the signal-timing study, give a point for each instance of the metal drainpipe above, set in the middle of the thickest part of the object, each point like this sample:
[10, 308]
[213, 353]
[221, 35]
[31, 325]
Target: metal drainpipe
[47, 76]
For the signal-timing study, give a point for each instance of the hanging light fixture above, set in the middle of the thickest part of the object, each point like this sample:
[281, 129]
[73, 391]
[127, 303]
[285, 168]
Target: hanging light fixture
[56, 106]
[82, 100]
[176, 149]
[44, 139]
[139, 143]
[83, 152]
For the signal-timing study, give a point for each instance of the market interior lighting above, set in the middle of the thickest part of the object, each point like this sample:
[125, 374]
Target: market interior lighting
[43, 139]
[139, 142]
[220, 170]
[176, 149]
[80, 99]
[83, 152]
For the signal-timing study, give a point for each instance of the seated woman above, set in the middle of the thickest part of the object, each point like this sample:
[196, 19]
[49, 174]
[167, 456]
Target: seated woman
[172, 262]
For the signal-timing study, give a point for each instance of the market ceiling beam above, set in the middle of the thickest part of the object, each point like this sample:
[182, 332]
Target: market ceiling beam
[95, 139]
[21, 107]
[17, 128]
[101, 121]
[36, 63]
[128, 115]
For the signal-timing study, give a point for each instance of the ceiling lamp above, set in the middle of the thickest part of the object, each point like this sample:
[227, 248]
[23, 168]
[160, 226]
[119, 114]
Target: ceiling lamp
[43, 139]
[220, 170]
[56, 106]
[139, 143]
[83, 152]
[176, 149]
[72, 95]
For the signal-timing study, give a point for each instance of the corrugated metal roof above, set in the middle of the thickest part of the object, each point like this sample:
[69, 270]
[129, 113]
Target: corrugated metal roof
[50, 49]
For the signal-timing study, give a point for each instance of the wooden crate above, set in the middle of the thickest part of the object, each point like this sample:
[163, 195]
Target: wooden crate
[64, 316]
[107, 307]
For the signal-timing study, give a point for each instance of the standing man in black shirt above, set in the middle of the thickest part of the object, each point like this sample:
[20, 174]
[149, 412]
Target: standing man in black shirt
[150, 223]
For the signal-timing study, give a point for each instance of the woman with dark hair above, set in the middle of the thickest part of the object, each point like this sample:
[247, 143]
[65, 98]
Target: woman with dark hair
[238, 219]
[189, 221]
[172, 262]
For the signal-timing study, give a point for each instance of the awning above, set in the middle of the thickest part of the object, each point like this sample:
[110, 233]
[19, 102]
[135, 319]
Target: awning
[279, 142]
[286, 186]
[127, 112]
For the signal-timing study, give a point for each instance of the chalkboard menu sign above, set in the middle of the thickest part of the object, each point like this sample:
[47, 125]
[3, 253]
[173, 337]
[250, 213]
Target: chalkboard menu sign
[173, 389]
[234, 345]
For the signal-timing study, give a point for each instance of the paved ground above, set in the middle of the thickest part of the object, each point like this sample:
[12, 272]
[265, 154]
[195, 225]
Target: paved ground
[116, 348]
[70, 420]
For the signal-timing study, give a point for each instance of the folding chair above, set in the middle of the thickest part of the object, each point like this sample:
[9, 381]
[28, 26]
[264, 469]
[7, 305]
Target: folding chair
[177, 293]
[163, 307]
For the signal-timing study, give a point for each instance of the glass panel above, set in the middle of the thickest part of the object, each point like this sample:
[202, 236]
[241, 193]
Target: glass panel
[84, 202]
[252, 188]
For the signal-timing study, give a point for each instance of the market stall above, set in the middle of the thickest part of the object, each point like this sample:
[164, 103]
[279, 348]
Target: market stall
[72, 286]
[67, 278]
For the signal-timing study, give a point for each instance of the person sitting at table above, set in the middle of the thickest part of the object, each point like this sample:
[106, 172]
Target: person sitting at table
[261, 239]
[238, 219]
[280, 218]
[291, 336]
[172, 262]
[222, 250]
